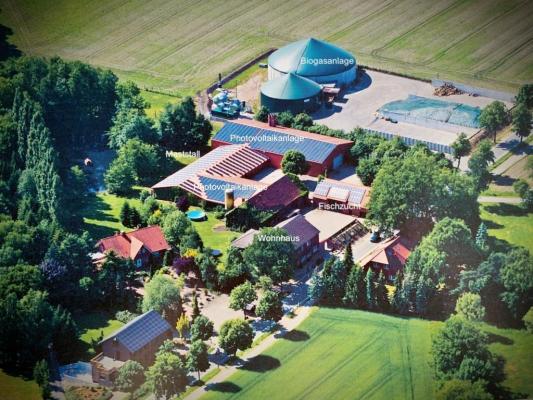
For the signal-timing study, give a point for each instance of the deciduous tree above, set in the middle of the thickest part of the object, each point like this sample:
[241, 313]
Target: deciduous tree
[235, 334]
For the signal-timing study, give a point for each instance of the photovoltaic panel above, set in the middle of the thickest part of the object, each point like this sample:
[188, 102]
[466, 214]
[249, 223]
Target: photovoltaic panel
[141, 330]
[274, 142]
[215, 189]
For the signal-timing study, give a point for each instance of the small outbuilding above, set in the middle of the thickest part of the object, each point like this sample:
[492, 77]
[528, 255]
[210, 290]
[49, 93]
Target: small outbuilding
[290, 92]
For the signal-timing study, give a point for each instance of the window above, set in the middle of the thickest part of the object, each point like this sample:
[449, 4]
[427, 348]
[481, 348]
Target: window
[138, 263]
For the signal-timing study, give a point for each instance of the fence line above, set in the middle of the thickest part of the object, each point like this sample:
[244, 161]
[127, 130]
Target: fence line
[441, 148]
[495, 94]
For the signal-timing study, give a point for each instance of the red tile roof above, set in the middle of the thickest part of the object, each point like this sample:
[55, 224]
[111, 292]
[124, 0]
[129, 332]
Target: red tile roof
[128, 245]
[279, 194]
[393, 252]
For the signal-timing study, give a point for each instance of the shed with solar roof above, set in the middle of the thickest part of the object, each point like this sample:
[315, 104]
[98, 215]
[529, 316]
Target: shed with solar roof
[138, 340]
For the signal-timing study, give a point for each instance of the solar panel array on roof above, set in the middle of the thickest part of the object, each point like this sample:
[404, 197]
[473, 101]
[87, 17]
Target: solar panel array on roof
[140, 331]
[327, 189]
[215, 188]
[274, 142]
[192, 169]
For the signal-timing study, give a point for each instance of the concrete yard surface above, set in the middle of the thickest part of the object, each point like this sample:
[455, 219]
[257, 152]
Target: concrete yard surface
[359, 104]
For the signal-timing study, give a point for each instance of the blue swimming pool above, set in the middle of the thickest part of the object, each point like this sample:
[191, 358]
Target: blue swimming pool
[77, 370]
[196, 215]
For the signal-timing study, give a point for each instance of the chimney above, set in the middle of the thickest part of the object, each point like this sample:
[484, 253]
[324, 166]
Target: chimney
[229, 199]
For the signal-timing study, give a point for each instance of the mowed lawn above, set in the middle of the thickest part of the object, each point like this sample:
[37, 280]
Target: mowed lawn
[516, 347]
[509, 222]
[91, 325]
[101, 216]
[181, 46]
[16, 388]
[212, 232]
[341, 354]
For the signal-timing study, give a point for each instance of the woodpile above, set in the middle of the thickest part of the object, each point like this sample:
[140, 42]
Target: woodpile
[447, 90]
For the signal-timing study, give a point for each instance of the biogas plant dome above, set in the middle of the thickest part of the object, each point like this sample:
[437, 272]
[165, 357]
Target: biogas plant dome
[314, 59]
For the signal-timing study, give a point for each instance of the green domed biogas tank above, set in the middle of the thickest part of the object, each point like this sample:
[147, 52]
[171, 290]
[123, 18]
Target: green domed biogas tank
[313, 59]
[290, 92]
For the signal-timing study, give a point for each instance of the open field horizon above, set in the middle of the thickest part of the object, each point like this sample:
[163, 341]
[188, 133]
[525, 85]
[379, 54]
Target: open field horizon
[180, 47]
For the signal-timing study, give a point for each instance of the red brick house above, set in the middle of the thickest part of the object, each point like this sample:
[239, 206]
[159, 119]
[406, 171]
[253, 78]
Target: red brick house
[389, 256]
[138, 340]
[141, 246]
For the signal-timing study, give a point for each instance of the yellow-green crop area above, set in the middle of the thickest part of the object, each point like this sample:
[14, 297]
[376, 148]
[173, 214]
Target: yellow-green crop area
[341, 354]
[181, 46]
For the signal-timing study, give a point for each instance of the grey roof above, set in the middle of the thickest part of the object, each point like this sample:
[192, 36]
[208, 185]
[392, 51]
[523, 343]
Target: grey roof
[299, 227]
[245, 240]
[274, 141]
[140, 331]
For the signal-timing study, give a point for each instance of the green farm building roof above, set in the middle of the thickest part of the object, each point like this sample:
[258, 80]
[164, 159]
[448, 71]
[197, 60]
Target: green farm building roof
[311, 57]
[290, 87]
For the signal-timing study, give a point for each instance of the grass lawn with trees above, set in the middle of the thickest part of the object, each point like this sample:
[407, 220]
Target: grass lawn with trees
[516, 346]
[15, 388]
[509, 222]
[158, 101]
[101, 215]
[92, 324]
[339, 353]
[215, 239]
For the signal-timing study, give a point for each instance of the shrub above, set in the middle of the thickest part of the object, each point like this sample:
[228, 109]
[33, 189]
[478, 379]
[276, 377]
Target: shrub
[125, 316]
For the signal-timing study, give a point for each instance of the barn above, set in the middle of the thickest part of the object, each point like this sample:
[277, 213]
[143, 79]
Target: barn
[314, 59]
[323, 153]
[290, 92]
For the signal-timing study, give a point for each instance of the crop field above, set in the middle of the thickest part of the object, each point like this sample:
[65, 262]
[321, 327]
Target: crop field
[181, 46]
[341, 354]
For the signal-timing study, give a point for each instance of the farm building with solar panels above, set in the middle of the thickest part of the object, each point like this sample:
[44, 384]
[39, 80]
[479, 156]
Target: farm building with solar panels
[343, 197]
[313, 59]
[223, 169]
[291, 92]
[322, 153]
[138, 340]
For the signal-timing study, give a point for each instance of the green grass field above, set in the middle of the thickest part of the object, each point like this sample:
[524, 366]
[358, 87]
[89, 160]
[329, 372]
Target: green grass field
[516, 346]
[158, 101]
[214, 239]
[181, 46]
[341, 354]
[509, 223]
[91, 325]
[101, 216]
[15, 388]
[348, 354]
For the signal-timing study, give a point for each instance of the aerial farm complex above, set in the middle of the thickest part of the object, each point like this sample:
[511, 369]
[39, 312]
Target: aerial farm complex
[266, 200]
